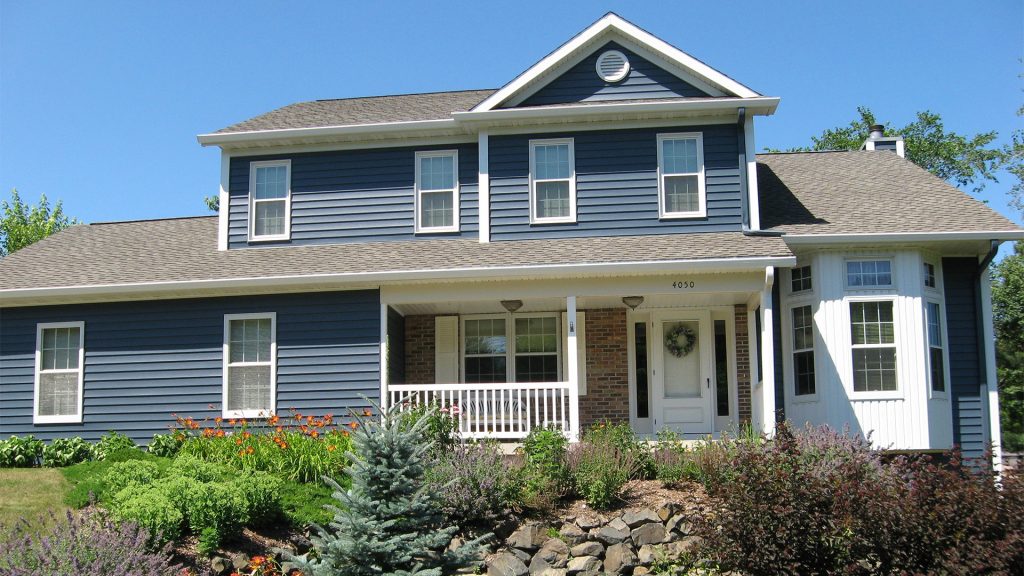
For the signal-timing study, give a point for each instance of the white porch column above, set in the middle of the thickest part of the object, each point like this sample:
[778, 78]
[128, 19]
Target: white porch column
[573, 370]
[384, 357]
[484, 188]
[995, 432]
[768, 353]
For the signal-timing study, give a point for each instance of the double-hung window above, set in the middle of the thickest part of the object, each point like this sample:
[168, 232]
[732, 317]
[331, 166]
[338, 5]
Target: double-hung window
[437, 191]
[936, 347]
[486, 350]
[873, 338]
[803, 351]
[868, 274]
[523, 349]
[250, 364]
[681, 187]
[270, 200]
[552, 181]
[60, 357]
[536, 351]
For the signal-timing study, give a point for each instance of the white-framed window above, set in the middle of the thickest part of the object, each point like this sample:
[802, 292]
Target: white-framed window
[250, 364]
[270, 200]
[511, 348]
[552, 181]
[936, 348]
[929, 276]
[681, 187]
[873, 273]
[59, 371]
[804, 383]
[873, 343]
[800, 279]
[437, 191]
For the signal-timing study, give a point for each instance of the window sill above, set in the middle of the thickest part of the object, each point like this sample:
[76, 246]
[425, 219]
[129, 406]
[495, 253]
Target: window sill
[547, 221]
[247, 413]
[805, 399]
[74, 419]
[267, 239]
[433, 231]
[682, 216]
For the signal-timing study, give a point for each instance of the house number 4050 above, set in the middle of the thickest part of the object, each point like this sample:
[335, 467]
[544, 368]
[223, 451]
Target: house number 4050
[683, 284]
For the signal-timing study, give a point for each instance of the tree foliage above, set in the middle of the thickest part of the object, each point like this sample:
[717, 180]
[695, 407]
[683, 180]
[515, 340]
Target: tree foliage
[1015, 165]
[21, 224]
[212, 203]
[1008, 314]
[957, 158]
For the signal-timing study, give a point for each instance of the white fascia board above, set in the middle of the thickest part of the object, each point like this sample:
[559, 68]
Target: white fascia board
[9, 298]
[759, 105]
[608, 23]
[903, 237]
[229, 138]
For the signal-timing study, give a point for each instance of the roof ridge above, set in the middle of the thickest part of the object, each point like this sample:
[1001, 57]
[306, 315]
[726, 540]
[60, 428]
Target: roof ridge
[404, 94]
[781, 152]
[109, 222]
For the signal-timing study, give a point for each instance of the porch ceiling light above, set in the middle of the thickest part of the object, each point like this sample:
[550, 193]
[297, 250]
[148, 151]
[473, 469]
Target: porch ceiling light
[632, 301]
[512, 305]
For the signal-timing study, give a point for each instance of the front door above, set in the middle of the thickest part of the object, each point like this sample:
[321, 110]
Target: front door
[682, 363]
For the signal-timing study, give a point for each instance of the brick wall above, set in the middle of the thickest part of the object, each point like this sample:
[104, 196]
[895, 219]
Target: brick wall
[742, 364]
[607, 395]
[419, 349]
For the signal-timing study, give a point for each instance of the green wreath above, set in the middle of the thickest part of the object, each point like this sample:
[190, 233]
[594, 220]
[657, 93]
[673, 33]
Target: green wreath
[680, 340]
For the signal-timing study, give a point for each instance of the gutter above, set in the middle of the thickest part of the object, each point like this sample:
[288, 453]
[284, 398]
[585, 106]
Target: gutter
[897, 237]
[992, 251]
[761, 104]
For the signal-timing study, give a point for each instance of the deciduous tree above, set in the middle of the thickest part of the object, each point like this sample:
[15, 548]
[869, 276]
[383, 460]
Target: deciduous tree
[21, 224]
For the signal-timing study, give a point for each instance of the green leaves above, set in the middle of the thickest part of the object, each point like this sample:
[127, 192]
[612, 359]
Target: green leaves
[1008, 314]
[21, 224]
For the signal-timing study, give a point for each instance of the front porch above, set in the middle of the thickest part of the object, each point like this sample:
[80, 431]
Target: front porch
[506, 358]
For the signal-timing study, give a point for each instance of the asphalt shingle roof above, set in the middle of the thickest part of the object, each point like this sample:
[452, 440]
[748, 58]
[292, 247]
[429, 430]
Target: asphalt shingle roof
[863, 192]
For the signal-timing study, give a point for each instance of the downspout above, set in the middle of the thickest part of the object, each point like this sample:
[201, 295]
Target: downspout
[741, 143]
[989, 397]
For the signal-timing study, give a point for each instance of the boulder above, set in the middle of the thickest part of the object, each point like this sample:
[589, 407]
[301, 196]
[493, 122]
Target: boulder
[666, 511]
[538, 565]
[219, 565]
[240, 561]
[588, 549]
[649, 553]
[523, 555]
[674, 522]
[529, 537]
[610, 535]
[638, 516]
[651, 533]
[641, 571]
[506, 564]
[619, 559]
[554, 552]
[583, 564]
[687, 545]
[572, 534]
[618, 524]
[588, 521]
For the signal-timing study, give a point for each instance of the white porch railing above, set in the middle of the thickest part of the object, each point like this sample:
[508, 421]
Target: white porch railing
[503, 411]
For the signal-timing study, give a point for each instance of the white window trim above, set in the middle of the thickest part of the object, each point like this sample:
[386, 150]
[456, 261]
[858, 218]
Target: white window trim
[932, 392]
[937, 289]
[806, 291]
[702, 195]
[571, 218]
[510, 342]
[420, 229]
[59, 418]
[287, 201]
[791, 345]
[899, 392]
[227, 363]
[892, 274]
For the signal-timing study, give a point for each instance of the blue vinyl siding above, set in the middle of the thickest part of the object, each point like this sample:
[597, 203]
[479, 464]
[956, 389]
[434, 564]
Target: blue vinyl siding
[147, 360]
[965, 362]
[616, 185]
[353, 196]
[582, 84]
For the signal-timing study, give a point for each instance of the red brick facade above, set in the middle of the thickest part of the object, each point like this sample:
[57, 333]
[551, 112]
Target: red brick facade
[742, 364]
[419, 349]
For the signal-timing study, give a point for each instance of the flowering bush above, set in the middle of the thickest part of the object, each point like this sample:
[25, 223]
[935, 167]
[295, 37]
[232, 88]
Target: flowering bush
[475, 485]
[299, 447]
[18, 452]
[602, 463]
[83, 544]
[66, 452]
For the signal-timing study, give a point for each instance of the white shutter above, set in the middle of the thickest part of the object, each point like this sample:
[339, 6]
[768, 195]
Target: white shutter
[446, 349]
[581, 349]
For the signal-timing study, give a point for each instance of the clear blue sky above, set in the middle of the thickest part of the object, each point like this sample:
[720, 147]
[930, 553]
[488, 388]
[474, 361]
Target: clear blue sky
[100, 102]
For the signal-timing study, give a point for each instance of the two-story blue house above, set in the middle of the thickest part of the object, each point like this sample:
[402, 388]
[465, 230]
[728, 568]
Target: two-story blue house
[595, 240]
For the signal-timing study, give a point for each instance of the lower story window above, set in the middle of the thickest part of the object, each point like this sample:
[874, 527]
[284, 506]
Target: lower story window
[486, 353]
[936, 349]
[250, 364]
[873, 335]
[60, 355]
[533, 355]
[536, 349]
[803, 351]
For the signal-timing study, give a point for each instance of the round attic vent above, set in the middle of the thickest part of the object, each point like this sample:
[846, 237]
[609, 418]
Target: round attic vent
[612, 66]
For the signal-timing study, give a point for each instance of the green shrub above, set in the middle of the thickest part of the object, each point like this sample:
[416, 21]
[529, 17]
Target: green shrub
[123, 474]
[196, 469]
[303, 503]
[88, 479]
[621, 437]
[65, 452]
[672, 461]
[164, 445]
[602, 463]
[1013, 441]
[111, 442]
[18, 452]
[219, 508]
[262, 493]
[475, 485]
[151, 509]
[441, 430]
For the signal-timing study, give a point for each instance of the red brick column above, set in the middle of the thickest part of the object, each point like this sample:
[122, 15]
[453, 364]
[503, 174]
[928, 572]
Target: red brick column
[419, 349]
[742, 364]
[607, 397]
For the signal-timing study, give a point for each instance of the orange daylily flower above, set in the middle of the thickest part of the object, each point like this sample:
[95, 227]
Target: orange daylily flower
[280, 429]
[367, 412]
[353, 425]
[331, 448]
[232, 421]
[218, 419]
[314, 433]
[238, 441]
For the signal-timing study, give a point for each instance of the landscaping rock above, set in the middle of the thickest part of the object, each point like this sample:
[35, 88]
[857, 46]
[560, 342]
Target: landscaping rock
[240, 561]
[529, 537]
[652, 533]
[641, 571]
[523, 555]
[687, 545]
[588, 521]
[666, 511]
[539, 565]
[554, 552]
[572, 534]
[507, 564]
[610, 535]
[649, 553]
[552, 572]
[587, 549]
[288, 567]
[638, 516]
[219, 565]
[674, 522]
[583, 564]
[618, 524]
[619, 559]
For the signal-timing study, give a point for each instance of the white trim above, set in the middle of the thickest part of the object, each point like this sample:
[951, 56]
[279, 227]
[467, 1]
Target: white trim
[988, 329]
[619, 75]
[598, 29]
[753, 202]
[384, 351]
[420, 229]
[944, 346]
[572, 363]
[897, 342]
[760, 104]
[226, 363]
[902, 237]
[224, 197]
[846, 274]
[585, 125]
[286, 235]
[37, 370]
[767, 378]
[790, 349]
[702, 199]
[571, 218]
[484, 187]
[901, 148]
[215, 139]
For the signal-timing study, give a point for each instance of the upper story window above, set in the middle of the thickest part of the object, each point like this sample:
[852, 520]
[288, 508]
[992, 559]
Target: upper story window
[800, 279]
[681, 189]
[929, 275]
[873, 336]
[552, 181]
[250, 364]
[437, 191]
[868, 273]
[60, 357]
[270, 200]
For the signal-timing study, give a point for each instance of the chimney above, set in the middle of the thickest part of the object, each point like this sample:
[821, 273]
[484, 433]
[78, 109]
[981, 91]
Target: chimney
[877, 140]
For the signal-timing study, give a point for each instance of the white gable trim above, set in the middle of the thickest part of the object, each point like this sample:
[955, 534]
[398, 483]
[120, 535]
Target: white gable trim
[643, 39]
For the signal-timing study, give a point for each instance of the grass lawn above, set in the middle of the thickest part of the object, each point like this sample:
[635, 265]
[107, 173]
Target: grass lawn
[30, 493]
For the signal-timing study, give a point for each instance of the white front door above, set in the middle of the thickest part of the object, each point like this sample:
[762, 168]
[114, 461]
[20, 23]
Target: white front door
[682, 370]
